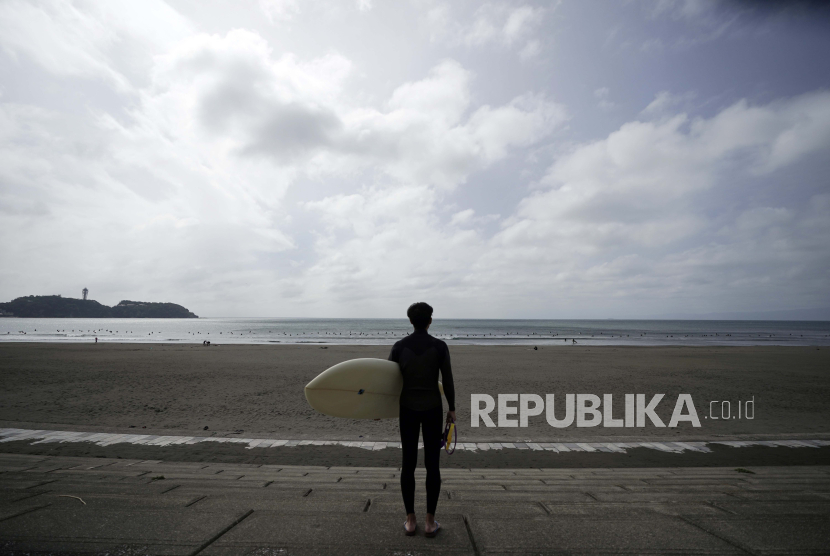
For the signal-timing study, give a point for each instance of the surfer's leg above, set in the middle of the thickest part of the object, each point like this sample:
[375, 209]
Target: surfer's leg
[433, 426]
[410, 428]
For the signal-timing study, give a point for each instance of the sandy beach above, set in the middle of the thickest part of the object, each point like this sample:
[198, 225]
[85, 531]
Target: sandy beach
[259, 389]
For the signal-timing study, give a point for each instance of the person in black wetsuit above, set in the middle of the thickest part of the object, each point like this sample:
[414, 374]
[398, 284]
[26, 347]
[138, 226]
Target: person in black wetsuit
[421, 357]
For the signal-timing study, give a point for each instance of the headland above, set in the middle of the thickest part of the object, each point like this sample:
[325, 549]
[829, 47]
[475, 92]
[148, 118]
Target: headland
[55, 306]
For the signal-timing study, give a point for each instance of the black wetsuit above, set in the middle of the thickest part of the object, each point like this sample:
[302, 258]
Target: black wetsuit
[421, 357]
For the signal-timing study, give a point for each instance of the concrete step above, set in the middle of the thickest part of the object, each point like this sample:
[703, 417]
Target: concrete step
[95, 506]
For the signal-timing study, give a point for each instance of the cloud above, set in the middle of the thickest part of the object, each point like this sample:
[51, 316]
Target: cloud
[601, 95]
[320, 173]
[620, 219]
[186, 191]
[383, 244]
[709, 10]
[462, 217]
[652, 46]
[665, 102]
[113, 41]
[440, 146]
[519, 22]
[633, 185]
[279, 10]
[148, 196]
[291, 113]
[698, 21]
[684, 9]
[491, 24]
[772, 136]
[122, 211]
[445, 93]
[287, 11]
[624, 206]
[769, 257]
[530, 50]
[233, 88]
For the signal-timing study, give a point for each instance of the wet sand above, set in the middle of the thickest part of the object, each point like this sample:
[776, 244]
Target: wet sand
[259, 389]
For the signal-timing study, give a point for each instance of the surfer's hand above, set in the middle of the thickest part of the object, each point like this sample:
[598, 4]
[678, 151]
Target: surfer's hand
[450, 416]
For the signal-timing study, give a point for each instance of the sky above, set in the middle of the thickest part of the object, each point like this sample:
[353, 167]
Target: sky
[314, 158]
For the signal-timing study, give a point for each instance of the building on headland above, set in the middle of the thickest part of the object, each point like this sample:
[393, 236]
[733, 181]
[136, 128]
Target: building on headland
[85, 292]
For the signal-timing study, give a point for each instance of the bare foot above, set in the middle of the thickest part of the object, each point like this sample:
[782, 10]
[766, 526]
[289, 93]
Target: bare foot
[410, 525]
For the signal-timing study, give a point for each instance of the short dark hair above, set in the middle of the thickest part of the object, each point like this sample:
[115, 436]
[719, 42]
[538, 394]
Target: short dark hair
[419, 314]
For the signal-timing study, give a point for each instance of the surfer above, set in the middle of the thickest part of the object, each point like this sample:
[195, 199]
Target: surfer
[421, 357]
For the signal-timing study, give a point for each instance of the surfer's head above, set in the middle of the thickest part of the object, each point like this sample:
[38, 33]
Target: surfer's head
[420, 315]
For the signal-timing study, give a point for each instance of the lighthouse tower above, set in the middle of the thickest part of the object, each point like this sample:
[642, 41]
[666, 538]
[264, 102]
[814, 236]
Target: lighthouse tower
[85, 292]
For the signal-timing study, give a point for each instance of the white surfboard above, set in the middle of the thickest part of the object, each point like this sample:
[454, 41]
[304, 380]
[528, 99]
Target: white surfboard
[358, 389]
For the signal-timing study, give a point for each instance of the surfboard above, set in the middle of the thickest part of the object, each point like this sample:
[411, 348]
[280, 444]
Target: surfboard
[358, 389]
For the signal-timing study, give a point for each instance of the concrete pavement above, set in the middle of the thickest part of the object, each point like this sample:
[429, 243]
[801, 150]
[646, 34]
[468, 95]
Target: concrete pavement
[73, 505]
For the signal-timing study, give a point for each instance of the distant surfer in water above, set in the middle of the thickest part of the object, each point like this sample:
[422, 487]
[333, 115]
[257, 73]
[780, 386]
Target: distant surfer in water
[421, 357]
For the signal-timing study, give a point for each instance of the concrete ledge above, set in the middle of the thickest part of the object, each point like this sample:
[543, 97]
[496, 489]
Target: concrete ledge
[108, 439]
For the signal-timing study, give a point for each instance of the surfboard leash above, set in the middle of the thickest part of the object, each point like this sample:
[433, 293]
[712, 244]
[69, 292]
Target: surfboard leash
[449, 438]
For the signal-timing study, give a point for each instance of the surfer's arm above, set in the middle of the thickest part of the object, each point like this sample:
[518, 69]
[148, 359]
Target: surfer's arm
[446, 379]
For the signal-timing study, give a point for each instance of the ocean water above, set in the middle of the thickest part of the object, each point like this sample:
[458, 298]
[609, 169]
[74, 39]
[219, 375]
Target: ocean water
[387, 331]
